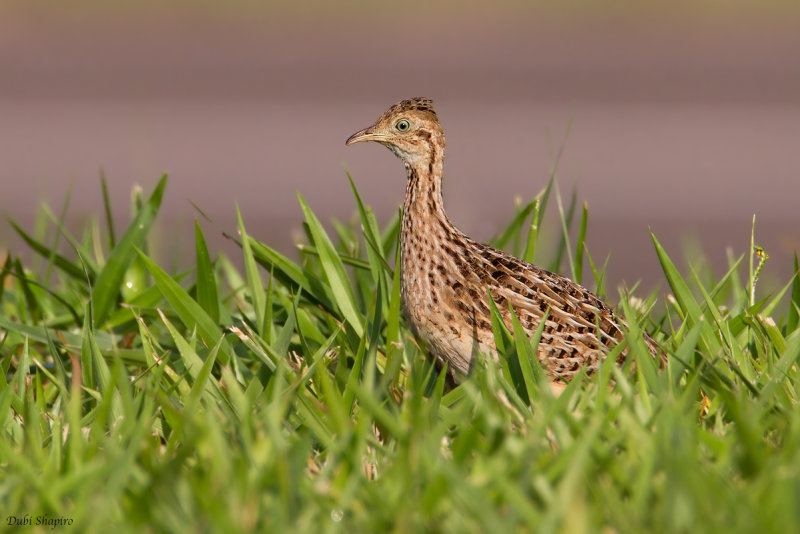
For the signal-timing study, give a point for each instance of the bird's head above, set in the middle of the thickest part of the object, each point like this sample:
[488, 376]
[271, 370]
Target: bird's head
[410, 129]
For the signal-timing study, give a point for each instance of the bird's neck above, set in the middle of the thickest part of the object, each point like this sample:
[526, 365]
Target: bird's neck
[423, 202]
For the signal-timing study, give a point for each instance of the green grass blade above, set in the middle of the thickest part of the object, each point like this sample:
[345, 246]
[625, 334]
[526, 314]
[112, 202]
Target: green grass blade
[347, 260]
[794, 304]
[769, 309]
[580, 246]
[391, 234]
[690, 309]
[73, 270]
[147, 299]
[526, 351]
[206, 285]
[197, 368]
[375, 251]
[57, 236]
[96, 372]
[82, 249]
[529, 254]
[254, 282]
[334, 270]
[291, 274]
[31, 303]
[5, 272]
[112, 238]
[563, 242]
[751, 282]
[27, 282]
[394, 347]
[512, 231]
[502, 337]
[107, 286]
[190, 312]
[679, 288]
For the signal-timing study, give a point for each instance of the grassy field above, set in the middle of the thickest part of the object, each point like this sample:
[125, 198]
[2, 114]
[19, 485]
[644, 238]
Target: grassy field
[290, 396]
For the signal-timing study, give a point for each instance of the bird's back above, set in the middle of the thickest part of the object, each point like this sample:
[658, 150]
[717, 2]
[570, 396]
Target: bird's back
[446, 288]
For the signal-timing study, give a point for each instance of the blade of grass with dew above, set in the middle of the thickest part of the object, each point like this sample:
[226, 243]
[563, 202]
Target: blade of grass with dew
[146, 300]
[107, 286]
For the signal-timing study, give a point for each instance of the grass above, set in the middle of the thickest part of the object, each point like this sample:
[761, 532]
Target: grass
[290, 395]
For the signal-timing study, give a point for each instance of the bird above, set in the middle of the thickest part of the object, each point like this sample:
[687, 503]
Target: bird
[447, 278]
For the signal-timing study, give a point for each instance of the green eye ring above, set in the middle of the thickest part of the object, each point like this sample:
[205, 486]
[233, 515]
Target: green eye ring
[403, 125]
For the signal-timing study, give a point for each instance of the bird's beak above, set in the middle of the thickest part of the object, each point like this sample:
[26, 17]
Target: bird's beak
[367, 134]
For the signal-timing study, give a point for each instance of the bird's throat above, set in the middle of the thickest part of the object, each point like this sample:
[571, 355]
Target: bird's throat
[423, 200]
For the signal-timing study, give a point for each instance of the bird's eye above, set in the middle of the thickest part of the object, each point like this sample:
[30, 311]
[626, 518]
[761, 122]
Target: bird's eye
[403, 125]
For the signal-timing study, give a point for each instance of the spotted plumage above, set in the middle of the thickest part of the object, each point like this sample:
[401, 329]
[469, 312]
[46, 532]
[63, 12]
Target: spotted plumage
[447, 277]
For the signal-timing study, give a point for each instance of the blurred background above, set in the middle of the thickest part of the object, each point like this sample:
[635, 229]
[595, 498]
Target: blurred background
[683, 117]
